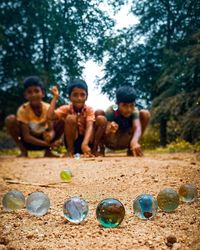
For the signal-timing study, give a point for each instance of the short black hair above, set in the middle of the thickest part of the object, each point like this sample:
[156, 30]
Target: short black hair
[33, 81]
[125, 94]
[77, 83]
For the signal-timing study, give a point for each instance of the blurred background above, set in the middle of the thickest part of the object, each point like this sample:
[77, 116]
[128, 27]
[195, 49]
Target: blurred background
[151, 45]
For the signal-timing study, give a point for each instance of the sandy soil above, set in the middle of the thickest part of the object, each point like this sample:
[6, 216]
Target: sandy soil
[114, 176]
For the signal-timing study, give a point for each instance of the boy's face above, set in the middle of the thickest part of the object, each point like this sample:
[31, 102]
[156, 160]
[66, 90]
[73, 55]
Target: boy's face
[34, 95]
[78, 97]
[126, 109]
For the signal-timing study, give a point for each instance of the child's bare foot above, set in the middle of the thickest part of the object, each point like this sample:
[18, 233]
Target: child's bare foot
[69, 154]
[98, 154]
[48, 153]
[129, 153]
[23, 154]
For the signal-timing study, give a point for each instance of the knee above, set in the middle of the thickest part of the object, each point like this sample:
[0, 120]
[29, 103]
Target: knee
[101, 121]
[99, 112]
[71, 120]
[10, 120]
[145, 115]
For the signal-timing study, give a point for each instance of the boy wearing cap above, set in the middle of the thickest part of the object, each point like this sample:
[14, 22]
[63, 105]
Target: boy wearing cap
[77, 116]
[30, 128]
[123, 124]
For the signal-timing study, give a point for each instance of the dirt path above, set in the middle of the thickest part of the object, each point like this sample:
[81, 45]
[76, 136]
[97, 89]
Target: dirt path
[95, 179]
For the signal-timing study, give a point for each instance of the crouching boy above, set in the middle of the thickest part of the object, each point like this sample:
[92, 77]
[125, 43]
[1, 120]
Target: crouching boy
[30, 128]
[122, 125]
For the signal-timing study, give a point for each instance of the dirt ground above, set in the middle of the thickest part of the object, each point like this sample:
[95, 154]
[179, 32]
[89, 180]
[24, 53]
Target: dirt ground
[114, 176]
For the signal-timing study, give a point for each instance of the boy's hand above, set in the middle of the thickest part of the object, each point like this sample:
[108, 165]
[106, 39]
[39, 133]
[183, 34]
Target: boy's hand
[56, 143]
[136, 149]
[86, 150]
[55, 92]
[112, 128]
[48, 135]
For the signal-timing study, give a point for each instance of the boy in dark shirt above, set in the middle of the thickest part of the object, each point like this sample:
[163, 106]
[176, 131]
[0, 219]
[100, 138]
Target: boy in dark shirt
[121, 125]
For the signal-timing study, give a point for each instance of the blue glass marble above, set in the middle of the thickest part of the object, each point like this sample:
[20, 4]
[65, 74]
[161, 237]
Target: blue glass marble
[13, 200]
[75, 209]
[37, 203]
[145, 206]
[77, 156]
[66, 175]
[110, 212]
[168, 200]
[188, 192]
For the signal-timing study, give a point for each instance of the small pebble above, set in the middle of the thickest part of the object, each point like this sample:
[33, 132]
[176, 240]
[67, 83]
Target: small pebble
[171, 239]
[4, 241]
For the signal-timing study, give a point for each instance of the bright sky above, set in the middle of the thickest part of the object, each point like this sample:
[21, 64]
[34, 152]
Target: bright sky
[95, 98]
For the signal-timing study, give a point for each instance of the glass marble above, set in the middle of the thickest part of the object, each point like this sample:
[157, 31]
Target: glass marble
[115, 107]
[77, 156]
[168, 200]
[13, 200]
[110, 212]
[145, 206]
[188, 192]
[75, 209]
[66, 175]
[37, 203]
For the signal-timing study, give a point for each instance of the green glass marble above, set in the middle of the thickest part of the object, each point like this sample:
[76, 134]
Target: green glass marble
[13, 200]
[188, 192]
[168, 200]
[66, 175]
[110, 212]
[145, 206]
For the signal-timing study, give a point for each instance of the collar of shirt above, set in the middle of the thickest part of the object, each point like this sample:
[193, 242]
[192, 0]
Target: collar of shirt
[72, 111]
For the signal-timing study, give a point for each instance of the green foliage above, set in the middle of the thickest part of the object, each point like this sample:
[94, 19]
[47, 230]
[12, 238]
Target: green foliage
[13, 151]
[159, 56]
[51, 39]
[151, 139]
[179, 146]
[6, 142]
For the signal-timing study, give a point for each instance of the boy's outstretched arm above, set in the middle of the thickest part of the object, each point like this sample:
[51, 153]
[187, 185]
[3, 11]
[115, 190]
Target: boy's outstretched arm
[51, 111]
[88, 133]
[134, 145]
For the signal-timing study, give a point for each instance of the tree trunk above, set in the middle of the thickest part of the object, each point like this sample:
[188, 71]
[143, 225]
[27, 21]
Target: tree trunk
[163, 132]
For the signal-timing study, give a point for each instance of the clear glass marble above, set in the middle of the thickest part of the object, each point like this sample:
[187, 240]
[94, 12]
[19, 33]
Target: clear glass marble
[168, 200]
[13, 200]
[75, 209]
[188, 192]
[145, 206]
[37, 203]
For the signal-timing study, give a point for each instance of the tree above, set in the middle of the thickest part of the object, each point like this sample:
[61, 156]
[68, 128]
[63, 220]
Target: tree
[146, 52]
[179, 102]
[51, 39]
